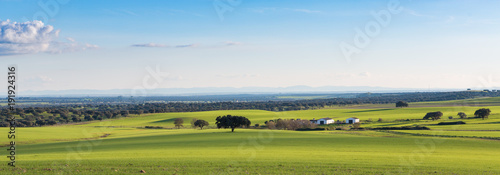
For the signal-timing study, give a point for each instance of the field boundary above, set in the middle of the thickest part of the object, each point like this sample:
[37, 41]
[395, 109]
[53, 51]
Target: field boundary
[444, 136]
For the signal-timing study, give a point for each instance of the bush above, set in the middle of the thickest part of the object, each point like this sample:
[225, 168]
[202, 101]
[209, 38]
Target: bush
[271, 125]
[290, 124]
[356, 125]
[153, 127]
[462, 115]
[311, 129]
[178, 122]
[403, 128]
[358, 129]
[452, 123]
[192, 122]
[342, 128]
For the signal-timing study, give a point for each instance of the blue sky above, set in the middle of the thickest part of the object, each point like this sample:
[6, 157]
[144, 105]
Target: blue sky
[110, 44]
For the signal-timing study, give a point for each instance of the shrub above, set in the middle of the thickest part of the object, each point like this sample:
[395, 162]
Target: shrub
[403, 128]
[153, 127]
[290, 124]
[452, 123]
[192, 122]
[311, 129]
[358, 128]
[271, 125]
[356, 125]
[178, 122]
[342, 128]
[462, 115]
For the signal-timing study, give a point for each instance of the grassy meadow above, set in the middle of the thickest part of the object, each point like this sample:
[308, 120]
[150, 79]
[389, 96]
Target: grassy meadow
[124, 146]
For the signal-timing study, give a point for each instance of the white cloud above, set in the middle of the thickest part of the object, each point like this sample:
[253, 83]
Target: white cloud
[34, 37]
[238, 75]
[44, 78]
[304, 10]
[70, 39]
[149, 45]
[175, 78]
[365, 74]
[162, 45]
[231, 43]
[482, 21]
[187, 45]
[414, 13]
[220, 44]
[349, 75]
[273, 9]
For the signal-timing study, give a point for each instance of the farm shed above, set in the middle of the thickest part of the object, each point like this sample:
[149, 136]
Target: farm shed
[352, 120]
[323, 121]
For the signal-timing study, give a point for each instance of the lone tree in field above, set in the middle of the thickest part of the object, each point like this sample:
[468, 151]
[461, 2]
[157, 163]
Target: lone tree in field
[462, 115]
[178, 122]
[401, 104]
[200, 123]
[483, 113]
[232, 122]
[433, 115]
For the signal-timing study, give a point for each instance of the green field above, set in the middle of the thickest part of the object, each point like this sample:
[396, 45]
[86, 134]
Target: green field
[123, 146]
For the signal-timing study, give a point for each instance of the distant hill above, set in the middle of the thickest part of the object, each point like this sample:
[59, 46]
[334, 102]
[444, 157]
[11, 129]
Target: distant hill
[224, 90]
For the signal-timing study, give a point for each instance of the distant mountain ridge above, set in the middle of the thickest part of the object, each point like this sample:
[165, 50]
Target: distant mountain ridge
[224, 90]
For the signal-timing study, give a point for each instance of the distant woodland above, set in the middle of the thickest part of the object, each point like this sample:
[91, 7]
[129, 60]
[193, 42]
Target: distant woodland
[68, 110]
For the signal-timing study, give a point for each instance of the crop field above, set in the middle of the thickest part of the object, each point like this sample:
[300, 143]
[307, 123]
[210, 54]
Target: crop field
[260, 116]
[124, 146]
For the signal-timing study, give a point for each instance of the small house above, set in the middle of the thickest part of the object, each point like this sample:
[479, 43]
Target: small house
[323, 121]
[352, 120]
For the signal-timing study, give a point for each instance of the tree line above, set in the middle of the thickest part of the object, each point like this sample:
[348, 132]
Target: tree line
[70, 113]
[480, 113]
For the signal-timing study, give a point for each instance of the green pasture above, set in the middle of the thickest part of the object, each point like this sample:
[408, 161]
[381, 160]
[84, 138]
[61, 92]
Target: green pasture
[124, 146]
[260, 152]
[260, 116]
[472, 134]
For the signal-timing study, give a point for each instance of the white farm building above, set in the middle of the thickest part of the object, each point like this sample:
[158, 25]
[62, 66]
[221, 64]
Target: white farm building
[323, 121]
[352, 120]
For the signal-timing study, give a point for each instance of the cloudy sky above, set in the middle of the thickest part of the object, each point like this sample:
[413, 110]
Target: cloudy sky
[70, 44]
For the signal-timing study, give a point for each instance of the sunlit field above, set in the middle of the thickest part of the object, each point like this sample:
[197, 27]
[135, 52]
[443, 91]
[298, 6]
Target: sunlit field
[123, 146]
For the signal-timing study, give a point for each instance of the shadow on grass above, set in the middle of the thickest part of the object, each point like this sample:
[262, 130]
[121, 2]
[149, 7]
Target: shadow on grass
[490, 123]
[171, 120]
[372, 110]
